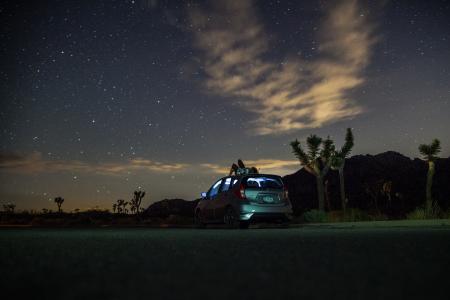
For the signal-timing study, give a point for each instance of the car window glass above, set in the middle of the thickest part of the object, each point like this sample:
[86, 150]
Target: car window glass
[226, 184]
[264, 182]
[214, 189]
[251, 183]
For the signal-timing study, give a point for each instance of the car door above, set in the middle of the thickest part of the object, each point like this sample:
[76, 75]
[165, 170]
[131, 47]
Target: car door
[211, 198]
[222, 199]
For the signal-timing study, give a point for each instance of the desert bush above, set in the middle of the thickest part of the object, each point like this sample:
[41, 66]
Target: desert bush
[378, 217]
[421, 213]
[417, 214]
[350, 215]
[315, 216]
[355, 215]
[335, 216]
[445, 214]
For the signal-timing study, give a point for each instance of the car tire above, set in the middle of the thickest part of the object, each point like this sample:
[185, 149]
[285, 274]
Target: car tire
[198, 219]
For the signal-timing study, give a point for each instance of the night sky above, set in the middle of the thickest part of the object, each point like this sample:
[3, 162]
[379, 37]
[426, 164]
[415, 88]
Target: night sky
[100, 98]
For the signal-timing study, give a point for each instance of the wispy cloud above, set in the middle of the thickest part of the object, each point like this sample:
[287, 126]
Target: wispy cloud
[296, 94]
[34, 163]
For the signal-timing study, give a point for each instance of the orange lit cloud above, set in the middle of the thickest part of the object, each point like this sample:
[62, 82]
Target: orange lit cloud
[34, 164]
[295, 94]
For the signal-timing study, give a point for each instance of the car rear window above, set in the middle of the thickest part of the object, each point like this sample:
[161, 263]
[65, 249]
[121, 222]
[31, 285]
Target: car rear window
[263, 182]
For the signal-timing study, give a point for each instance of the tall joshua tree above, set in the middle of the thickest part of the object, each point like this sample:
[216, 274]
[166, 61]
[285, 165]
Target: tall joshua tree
[317, 160]
[59, 201]
[429, 153]
[136, 201]
[338, 163]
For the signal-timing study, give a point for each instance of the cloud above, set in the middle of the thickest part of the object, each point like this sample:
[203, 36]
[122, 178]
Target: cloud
[34, 163]
[266, 166]
[215, 168]
[296, 94]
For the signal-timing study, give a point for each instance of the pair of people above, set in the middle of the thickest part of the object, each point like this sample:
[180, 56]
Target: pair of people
[241, 169]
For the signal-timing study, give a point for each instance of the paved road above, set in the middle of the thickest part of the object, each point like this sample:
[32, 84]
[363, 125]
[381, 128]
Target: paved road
[311, 262]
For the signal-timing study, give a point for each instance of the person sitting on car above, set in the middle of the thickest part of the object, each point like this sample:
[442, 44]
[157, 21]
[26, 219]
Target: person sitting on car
[241, 169]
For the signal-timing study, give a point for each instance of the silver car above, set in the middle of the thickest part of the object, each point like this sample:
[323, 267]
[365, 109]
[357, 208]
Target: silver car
[238, 201]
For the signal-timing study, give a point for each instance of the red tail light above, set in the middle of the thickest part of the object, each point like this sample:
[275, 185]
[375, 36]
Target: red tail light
[241, 192]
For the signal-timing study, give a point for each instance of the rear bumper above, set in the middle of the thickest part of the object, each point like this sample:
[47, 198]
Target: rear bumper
[265, 213]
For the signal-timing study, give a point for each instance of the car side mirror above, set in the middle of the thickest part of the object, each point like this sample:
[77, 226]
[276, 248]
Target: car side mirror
[203, 194]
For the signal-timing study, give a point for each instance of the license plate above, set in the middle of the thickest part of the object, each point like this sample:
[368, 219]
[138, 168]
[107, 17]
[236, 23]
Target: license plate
[268, 199]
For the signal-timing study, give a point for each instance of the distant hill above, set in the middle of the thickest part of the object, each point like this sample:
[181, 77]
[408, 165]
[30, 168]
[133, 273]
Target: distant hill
[167, 207]
[388, 182]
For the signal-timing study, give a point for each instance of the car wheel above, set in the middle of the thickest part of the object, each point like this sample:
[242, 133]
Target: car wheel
[230, 218]
[198, 220]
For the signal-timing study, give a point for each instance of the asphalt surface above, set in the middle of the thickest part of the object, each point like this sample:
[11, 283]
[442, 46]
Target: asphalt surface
[310, 262]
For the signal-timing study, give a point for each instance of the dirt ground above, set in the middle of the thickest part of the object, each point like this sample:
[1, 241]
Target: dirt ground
[315, 262]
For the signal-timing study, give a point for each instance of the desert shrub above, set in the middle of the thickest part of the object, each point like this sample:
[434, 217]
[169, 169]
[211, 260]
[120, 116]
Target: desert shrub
[436, 211]
[335, 216]
[355, 215]
[315, 216]
[422, 213]
[378, 217]
[417, 214]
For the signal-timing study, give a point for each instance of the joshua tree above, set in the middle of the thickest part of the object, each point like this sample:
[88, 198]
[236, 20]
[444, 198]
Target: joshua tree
[9, 207]
[316, 161]
[136, 201]
[59, 201]
[114, 207]
[121, 206]
[338, 163]
[429, 153]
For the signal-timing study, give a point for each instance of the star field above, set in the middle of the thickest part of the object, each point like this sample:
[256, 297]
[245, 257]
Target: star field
[100, 98]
